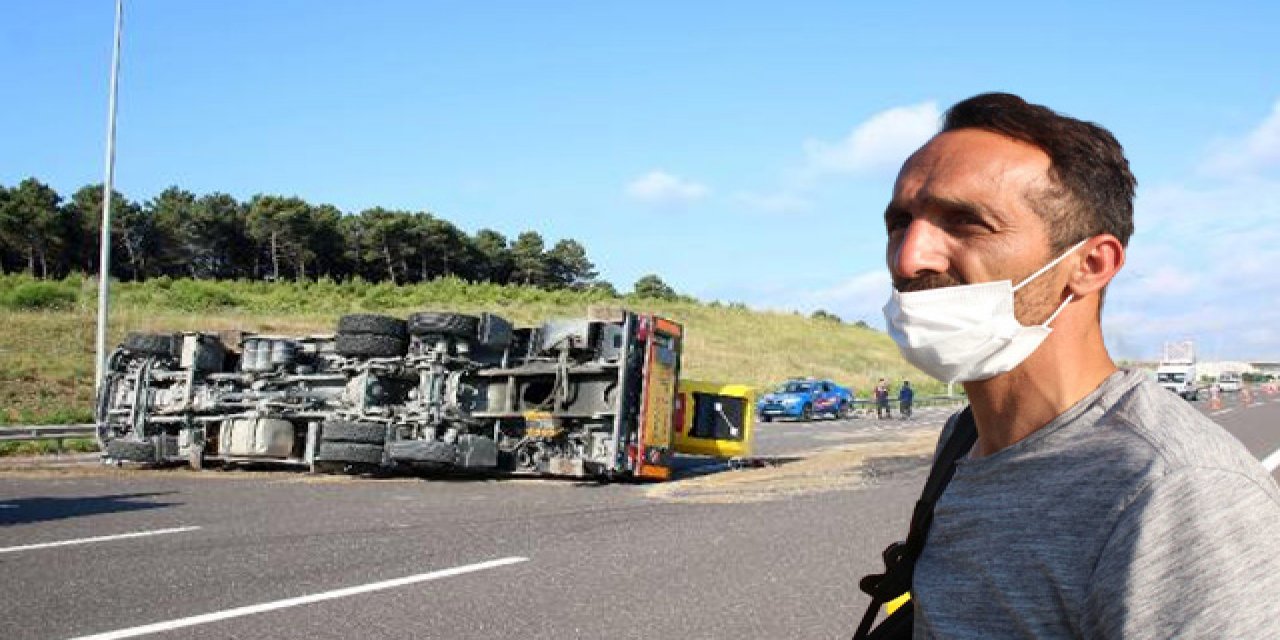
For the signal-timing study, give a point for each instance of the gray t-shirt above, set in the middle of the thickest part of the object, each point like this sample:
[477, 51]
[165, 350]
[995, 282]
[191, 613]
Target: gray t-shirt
[1130, 515]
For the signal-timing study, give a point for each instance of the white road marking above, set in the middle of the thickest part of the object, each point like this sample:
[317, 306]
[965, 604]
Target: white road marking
[1222, 411]
[119, 536]
[1272, 461]
[301, 600]
[8, 506]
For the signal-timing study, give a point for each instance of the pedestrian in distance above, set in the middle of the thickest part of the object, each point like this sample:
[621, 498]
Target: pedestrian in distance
[1085, 501]
[882, 400]
[906, 397]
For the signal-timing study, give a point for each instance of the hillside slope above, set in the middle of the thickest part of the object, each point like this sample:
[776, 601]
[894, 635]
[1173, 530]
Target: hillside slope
[47, 347]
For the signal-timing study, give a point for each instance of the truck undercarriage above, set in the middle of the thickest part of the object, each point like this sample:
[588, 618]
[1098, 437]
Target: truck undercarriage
[589, 397]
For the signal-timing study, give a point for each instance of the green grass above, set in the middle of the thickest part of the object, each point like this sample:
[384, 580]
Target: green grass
[46, 447]
[46, 338]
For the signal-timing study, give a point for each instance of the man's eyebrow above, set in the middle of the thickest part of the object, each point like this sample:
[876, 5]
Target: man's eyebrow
[944, 203]
[956, 205]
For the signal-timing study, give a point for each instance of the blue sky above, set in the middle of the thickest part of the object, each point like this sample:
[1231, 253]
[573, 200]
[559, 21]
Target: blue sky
[744, 151]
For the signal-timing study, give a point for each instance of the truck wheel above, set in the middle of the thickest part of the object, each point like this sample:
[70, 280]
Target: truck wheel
[806, 413]
[369, 345]
[154, 344]
[373, 324]
[450, 324]
[349, 431]
[350, 452]
[121, 449]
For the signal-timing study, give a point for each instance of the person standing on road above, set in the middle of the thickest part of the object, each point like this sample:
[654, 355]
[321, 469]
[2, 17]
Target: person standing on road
[882, 400]
[1094, 504]
[906, 396]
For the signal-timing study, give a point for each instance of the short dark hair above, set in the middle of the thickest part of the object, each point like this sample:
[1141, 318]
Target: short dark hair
[1091, 188]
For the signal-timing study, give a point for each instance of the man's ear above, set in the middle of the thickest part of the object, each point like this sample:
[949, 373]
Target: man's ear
[1101, 259]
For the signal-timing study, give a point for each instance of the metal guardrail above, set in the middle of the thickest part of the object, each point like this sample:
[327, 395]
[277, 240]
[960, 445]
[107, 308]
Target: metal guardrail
[922, 401]
[55, 432]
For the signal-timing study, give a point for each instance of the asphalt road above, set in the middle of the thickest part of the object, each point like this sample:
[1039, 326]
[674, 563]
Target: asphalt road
[765, 553]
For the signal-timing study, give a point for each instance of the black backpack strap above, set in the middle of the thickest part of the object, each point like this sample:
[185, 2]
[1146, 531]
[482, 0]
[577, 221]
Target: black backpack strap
[900, 557]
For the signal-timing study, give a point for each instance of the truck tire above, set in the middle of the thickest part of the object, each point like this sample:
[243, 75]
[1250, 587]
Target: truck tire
[449, 324]
[349, 452]
[349, 431]
[373, 324]
[424, 451]
[154, 344]
[131, 450]
[369, 345]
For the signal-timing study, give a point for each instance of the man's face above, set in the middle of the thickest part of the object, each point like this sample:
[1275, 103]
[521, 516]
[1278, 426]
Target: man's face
[961, 214]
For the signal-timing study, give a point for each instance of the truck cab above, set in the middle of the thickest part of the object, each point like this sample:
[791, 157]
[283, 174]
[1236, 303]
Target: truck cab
[1178, 378]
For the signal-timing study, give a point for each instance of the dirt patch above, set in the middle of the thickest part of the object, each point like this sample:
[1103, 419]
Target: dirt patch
[840, 468]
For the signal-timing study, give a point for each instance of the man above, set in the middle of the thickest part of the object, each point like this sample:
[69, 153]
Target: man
[906, 396]
[882, 400]
[1094, 504]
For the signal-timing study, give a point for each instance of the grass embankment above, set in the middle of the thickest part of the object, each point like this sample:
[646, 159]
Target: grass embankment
[47, 331]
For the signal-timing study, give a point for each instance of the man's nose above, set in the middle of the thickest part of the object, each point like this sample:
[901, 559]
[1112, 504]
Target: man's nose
[920, 250]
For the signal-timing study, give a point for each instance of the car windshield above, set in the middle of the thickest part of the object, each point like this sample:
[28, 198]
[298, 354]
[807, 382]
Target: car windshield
[1172, 377]
[795, 387]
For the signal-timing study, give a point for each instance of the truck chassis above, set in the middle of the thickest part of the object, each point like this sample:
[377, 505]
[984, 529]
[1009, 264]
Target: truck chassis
[586, 397]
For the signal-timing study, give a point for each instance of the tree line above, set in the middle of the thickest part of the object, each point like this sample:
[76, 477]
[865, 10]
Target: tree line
[269, 237]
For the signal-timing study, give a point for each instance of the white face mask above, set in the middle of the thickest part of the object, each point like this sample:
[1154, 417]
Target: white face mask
[966, 333]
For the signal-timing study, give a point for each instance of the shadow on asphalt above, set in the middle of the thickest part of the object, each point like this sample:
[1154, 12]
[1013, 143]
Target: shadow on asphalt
[692, 466]
[42, 509]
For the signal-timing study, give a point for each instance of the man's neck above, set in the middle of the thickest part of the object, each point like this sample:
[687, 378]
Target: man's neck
[1012, 406]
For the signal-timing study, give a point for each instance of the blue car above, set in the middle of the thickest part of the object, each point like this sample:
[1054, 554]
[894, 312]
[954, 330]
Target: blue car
[804, 399]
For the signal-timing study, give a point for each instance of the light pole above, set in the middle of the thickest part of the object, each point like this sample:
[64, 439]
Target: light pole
[104, 246]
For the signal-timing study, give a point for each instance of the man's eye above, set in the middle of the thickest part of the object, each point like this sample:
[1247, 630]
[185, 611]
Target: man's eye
[968, 222]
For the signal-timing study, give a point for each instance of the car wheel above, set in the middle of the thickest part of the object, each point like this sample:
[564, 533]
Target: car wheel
[766, 418]
[806, 413]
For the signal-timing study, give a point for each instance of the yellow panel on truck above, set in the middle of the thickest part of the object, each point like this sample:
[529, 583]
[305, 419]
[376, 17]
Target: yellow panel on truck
[714, 419]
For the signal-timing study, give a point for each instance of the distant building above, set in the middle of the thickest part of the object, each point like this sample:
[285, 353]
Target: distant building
[1213, 368]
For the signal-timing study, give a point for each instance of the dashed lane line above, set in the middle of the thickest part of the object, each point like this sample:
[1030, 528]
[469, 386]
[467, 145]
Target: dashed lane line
[1272, 461]
[237, 612]
[118, 536]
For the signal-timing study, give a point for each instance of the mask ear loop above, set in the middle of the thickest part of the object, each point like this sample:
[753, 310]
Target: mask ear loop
[1061, 308]
[1052, 263]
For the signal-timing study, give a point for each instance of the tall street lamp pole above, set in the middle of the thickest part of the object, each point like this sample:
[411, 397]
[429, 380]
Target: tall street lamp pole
[104, 246]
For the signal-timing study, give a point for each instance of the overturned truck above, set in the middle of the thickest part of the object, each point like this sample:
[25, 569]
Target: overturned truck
[592, 397]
